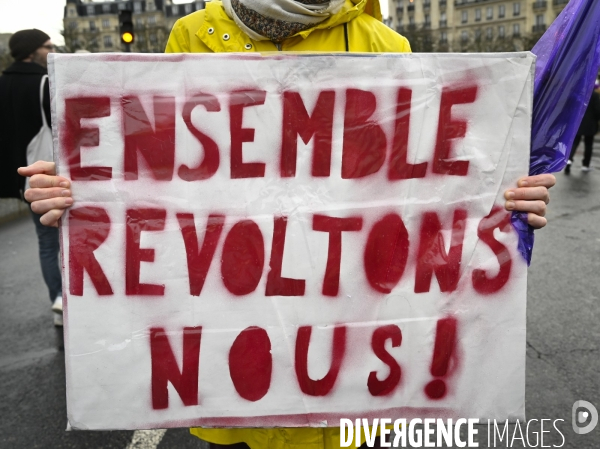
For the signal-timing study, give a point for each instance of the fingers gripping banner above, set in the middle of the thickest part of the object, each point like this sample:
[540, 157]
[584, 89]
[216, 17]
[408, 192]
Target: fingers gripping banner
[290, 240]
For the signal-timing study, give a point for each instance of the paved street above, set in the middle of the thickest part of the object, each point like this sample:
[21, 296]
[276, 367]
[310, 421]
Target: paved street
[563, 363]
[32, 363]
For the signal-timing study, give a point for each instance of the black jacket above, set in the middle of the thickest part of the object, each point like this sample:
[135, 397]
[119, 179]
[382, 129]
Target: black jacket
[20, 121]
[589, 123]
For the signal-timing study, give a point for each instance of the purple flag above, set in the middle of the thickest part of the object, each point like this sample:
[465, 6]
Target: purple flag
[568, 58]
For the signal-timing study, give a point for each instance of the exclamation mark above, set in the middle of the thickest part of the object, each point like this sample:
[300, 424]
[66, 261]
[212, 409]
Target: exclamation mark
[445, 343]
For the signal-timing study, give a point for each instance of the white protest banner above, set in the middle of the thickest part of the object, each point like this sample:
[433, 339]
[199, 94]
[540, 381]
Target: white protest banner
[289, 240]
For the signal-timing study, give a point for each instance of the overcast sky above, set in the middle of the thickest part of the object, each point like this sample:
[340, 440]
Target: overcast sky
[47, 15]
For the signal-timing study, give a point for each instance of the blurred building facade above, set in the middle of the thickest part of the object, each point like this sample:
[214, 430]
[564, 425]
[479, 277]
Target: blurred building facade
[473, 25]
[4, 38]
[5, 58]
[94, 26]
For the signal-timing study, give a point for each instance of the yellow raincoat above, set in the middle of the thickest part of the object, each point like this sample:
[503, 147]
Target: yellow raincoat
[211, 30]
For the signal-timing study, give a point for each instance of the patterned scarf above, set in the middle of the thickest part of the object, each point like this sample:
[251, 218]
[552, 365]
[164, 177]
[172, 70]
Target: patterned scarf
[276, 20]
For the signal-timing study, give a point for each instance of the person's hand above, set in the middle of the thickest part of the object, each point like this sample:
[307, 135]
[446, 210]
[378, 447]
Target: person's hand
[531, 196]
[49, 194]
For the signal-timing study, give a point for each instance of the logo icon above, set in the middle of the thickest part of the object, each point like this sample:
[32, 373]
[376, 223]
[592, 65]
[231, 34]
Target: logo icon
[581, 416]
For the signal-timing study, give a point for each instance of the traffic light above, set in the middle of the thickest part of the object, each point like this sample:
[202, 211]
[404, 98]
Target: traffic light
[126, 27]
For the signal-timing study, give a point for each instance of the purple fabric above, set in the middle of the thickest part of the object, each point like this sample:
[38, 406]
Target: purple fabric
[568, 58]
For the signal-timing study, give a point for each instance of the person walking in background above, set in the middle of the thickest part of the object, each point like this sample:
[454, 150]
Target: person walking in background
[25, 136]
[587, 129]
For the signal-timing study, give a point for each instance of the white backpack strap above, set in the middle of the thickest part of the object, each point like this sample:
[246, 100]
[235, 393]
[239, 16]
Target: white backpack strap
[44, 78]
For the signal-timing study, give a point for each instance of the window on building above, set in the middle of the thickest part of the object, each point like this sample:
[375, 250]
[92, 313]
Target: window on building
[501, 11]
[153, 39]
[427, 19]
[175, 10]
[122, 6]
[73, 25]
[90, 10]
[108, 41]
[152, 20]
[188, 8]
[477, 14]
[489, 13]
[477, 35]
[72, 12]
[92, 25]
[105, 23]
[137, 7]
[411, 20]
[106, 8]
[443, 20]
[464, 17]
[150, 6]
[489, 33]
[516, 9]
[139, 22]
[443, 37]
[501, 32]
[464, 36]
[539, 19]
[516, 29]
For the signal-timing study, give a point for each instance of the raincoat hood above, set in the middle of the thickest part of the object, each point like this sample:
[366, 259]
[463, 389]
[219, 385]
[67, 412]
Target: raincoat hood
[220, 34]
